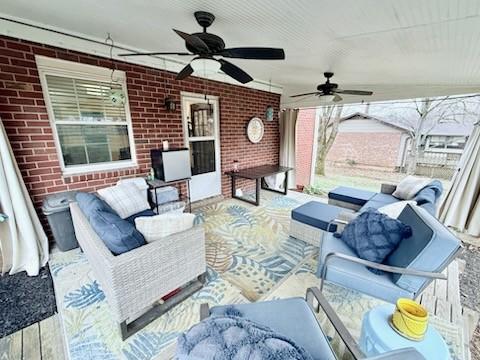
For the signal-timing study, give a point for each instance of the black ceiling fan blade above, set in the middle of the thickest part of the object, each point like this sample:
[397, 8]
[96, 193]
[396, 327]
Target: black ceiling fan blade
[257, 53]
[310, 93]
[194, 41]
[156, 53]
[234, 71]
[354, 92]
[337, 98]
[186, 71]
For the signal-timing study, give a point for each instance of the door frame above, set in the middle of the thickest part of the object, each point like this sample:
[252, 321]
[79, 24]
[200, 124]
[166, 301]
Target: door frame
[215, 101]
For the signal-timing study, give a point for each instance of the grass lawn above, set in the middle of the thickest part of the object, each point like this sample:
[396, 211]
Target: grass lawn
[357, 178]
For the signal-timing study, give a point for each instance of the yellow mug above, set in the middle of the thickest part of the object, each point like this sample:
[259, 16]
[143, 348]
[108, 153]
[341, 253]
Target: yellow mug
[410, 319]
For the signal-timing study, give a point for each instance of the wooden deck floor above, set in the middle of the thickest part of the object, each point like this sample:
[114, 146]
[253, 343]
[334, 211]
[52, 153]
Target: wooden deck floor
[44, 340]
[442, 298]
[39, 341]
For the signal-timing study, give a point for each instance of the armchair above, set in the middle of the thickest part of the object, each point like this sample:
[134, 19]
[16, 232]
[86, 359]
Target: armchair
[295, 319]
[135, 282]
[408, 270]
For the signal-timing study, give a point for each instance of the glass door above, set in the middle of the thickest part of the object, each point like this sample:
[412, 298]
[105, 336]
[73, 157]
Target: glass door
[201, 131]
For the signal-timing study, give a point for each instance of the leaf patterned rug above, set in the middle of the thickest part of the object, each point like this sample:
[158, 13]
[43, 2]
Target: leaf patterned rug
[250, 257]
[248, 253]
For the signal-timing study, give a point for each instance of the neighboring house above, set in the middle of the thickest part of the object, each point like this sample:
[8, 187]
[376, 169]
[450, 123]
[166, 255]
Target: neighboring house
[370, 142]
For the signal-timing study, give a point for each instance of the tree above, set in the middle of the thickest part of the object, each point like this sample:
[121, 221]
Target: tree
[423, 115]
[327, 132]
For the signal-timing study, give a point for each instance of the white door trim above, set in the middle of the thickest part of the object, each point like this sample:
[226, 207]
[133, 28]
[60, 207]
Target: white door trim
[215, 100]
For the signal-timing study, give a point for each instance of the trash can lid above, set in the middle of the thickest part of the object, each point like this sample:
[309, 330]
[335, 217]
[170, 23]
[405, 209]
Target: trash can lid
[58, 202]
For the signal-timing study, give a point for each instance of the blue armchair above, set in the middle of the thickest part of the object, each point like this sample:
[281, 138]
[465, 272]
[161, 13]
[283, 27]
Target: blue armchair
[408, 270]
[295, 319]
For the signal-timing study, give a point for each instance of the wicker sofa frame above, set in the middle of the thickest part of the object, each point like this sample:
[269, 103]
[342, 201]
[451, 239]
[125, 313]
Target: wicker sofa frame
[135, 282]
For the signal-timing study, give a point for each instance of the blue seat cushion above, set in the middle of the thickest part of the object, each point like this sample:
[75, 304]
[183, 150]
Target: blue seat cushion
[351, 195]
[148, 212]
[292, 318]
[430, 248]
[379, 200]
[373, 235]
[317, 214]
[355, 276]
[118, 235]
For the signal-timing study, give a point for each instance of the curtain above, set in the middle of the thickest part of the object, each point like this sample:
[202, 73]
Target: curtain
[288, 121]
[24, 245]
[461, 207]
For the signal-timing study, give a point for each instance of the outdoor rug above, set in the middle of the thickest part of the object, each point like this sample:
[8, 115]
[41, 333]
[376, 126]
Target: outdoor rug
[25, 300]
[248, 253]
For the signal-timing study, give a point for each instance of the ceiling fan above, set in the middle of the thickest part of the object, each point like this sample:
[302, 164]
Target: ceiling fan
[331, 90]
[207, 46]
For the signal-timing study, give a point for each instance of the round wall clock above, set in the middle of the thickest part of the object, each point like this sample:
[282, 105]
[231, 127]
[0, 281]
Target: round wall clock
[255, 130]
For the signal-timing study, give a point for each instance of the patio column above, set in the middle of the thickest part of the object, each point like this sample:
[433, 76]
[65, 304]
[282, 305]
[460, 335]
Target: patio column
[461, 207]
[288, 121]
[23, 243]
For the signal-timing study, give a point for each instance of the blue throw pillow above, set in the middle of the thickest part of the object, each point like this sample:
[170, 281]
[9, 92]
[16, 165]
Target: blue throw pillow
[118, 235]
[373, 236]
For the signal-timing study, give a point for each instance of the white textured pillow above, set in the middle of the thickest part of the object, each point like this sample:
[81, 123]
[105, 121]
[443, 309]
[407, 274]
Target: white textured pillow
[138, 182]
[394, 210]
[126, 199]
[154, 228]
[409, 187]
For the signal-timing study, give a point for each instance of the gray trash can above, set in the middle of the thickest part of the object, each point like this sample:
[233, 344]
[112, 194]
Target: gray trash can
[57, 210]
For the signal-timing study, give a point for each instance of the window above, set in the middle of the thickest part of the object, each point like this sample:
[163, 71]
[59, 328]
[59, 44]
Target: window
[446, 143]
[92, 133]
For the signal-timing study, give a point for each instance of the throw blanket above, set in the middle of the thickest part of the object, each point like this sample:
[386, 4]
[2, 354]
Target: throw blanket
[409, 187]
[430, 193]
[231, 337]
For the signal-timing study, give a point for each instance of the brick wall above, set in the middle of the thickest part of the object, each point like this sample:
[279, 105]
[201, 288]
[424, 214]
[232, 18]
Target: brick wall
[304, 145]
[366, 149]
[24, 115]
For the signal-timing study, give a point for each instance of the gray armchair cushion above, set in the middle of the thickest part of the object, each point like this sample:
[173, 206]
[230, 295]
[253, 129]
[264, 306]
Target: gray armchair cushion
[430, 248]
[356, 276]
[373, 236]
[291, 317]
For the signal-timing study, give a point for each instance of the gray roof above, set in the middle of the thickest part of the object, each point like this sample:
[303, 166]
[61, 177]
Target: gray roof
[443, 129]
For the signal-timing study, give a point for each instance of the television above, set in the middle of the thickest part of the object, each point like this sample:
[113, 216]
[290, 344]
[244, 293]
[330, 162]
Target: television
[172, 164]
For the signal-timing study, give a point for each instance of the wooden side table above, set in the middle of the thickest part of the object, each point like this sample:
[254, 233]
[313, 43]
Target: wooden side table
[157, 184]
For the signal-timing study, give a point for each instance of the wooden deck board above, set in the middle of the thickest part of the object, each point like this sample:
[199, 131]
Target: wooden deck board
[31, 342]
[39, 341]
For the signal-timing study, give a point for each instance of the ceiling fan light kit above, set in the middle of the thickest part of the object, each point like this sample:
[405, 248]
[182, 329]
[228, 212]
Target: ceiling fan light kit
[205, 66]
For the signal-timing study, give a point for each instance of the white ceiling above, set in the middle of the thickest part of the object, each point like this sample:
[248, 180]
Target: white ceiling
[398, 49]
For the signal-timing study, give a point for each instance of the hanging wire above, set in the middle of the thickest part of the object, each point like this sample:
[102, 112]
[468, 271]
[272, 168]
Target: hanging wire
[111, 44]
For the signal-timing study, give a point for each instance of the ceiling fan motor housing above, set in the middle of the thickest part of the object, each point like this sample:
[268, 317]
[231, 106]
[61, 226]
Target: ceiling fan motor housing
[204, 18]
[214, 42]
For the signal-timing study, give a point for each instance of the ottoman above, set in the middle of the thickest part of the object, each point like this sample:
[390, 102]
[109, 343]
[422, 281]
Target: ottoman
[310, 221]
[378, 337]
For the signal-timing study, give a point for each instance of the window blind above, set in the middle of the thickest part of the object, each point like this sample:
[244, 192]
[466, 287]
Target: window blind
[78, 100]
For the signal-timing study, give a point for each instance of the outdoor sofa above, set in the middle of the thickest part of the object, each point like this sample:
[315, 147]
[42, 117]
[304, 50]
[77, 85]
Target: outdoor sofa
[135, 282]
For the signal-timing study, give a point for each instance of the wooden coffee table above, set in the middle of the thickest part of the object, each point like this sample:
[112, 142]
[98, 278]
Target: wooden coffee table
[258, 173]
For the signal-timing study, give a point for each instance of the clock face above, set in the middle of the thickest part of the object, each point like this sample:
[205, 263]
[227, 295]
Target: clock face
[255, 130]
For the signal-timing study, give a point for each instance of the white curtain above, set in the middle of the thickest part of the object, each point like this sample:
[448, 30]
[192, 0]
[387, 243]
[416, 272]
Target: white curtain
[288, 122]
[24, 245]
[461, 207]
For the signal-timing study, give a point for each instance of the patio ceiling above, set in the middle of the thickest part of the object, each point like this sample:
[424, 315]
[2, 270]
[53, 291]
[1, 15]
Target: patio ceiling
[398, 49]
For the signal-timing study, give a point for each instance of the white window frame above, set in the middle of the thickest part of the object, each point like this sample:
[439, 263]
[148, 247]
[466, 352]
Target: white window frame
[56, 67]
[444, 149]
